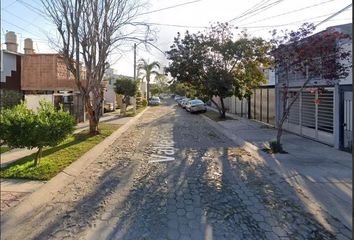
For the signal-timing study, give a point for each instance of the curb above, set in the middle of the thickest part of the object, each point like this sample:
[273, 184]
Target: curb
[15, 216]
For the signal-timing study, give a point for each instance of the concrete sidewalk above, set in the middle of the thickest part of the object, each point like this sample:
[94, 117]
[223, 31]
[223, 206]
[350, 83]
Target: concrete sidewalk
[320, 172]
[15, 154]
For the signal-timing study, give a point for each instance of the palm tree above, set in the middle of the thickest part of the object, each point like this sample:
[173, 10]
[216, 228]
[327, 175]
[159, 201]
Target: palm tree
[147, 70]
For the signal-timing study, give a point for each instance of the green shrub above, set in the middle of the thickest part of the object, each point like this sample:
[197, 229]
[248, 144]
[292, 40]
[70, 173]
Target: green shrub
[22, 127]
[144, 102]
[138, 99]
[10, 98]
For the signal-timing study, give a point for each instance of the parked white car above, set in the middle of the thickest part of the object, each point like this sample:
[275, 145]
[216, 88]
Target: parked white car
[196, 105]
[177, 98]
[184, 102]
[108, 107]
[154, 101]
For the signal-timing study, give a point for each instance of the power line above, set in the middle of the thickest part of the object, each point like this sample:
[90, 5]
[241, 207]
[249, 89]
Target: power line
[9, 5]
[23, 29]
[176, 25]
[285, 24]
[243, 26]
[32, 8]
[170, 7]
[261, 10]
[291, 23]
[286, 13]
[255, 11]
[254, 7]
[43, 30]
[335, 14]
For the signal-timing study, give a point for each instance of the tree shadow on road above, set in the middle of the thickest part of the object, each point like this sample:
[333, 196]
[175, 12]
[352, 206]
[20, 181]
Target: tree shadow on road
[213, 190]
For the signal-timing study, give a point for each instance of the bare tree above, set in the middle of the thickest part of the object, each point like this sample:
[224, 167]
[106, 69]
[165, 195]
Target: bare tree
[89, 31]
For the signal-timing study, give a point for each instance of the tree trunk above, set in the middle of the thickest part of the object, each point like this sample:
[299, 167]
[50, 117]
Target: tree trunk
[280, 130]
[38, 156]
[148, 90]
[93, 117]
[223, 111]
[286, 111]
[93, 126]
[126, 100]
[217, 106]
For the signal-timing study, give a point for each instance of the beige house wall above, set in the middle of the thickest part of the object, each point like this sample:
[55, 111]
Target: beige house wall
[32, 100]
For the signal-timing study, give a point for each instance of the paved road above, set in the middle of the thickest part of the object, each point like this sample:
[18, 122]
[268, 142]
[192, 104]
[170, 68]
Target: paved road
[171, 176]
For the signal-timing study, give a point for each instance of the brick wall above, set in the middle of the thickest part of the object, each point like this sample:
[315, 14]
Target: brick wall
[45, 72]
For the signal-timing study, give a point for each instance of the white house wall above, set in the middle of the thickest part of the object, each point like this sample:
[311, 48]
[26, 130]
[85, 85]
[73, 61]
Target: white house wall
[270, 75]
[32, 100]
[110, 95]
[8, 65]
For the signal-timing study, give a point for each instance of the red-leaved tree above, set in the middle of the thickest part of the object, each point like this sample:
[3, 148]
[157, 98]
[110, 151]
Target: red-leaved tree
[313, 57]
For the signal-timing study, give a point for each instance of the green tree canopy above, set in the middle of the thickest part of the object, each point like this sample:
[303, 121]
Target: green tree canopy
[216, 64]
[126, 87]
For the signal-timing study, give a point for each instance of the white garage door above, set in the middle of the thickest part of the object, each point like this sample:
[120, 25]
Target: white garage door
[312, 115]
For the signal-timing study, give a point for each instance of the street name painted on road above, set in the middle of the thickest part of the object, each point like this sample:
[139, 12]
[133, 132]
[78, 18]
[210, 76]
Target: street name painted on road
[164, 150]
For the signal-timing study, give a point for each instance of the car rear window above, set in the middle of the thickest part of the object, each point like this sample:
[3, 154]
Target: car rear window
[197, 102]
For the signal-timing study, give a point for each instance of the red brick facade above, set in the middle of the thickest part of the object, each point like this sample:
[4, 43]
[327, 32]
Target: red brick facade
[46, 72]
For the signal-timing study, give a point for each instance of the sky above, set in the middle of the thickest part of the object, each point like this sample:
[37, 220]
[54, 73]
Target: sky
[28, 20]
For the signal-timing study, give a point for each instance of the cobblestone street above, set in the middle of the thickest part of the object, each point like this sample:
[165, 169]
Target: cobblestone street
[172, 176]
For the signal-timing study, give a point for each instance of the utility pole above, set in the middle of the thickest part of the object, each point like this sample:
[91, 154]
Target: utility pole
[134, 61]
[134, 74]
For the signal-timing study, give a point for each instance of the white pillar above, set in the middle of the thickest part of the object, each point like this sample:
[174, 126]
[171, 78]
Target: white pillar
[336, 112]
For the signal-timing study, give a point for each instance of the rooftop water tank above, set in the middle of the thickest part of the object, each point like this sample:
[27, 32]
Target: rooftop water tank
[11, 41]
[28, 46]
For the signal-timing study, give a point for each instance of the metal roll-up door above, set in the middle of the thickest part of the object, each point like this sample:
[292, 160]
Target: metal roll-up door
[325, 111]
[294, 113]
[308, 109]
